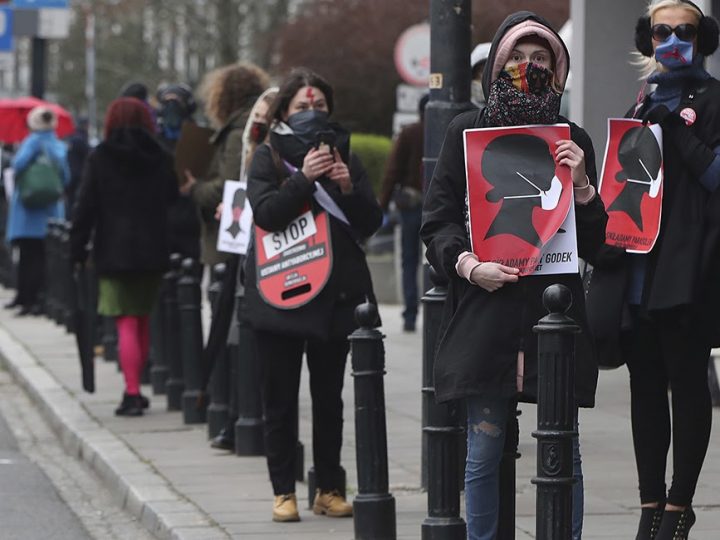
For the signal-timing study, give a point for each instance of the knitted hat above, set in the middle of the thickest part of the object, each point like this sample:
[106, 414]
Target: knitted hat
[532, 28]
[41, 118]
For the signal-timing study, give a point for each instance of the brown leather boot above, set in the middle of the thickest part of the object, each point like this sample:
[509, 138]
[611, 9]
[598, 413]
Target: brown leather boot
[332, 504]
[285, 508]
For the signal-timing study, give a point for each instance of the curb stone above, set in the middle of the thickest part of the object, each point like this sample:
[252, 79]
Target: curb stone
[135, 485]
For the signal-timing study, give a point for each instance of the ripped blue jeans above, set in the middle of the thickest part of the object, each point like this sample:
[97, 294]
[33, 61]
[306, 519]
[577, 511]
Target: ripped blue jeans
[487, 422]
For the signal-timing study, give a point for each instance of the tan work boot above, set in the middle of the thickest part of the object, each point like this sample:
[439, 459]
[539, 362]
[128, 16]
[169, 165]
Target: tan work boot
[332, 504]
[285, 508]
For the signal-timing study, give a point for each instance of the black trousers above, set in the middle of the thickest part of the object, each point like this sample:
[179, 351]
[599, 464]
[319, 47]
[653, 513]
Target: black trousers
[665, 353]
[31, 270]
[281, 358]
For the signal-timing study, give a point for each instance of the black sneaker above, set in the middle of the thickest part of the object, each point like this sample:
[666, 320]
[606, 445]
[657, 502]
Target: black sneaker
[131, 405]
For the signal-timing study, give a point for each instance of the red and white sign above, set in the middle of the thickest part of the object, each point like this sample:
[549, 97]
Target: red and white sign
[412, 55]
[631, 185]
[519, 198]
[294, 265]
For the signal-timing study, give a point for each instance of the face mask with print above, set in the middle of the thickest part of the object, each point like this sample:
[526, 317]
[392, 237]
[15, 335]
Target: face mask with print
[674, 53]
[258, 132]
[529, 78]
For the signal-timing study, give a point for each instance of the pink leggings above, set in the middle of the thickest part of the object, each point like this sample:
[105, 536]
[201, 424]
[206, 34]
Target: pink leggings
[133, 346]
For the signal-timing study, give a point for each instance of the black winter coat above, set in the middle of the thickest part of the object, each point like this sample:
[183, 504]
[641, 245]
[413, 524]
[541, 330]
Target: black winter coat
[277, 197]
[683, 269]
[481, 332]
[127, 185]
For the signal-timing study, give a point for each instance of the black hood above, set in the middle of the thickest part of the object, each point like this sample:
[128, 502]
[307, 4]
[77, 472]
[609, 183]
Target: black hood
[134, 146]
[510, 22]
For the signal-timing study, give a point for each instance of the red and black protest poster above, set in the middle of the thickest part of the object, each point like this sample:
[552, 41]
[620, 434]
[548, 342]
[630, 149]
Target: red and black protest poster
[631, 185]
[518, 196]
[294, 265]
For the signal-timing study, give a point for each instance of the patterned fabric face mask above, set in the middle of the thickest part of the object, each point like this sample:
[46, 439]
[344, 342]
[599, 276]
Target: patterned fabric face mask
[523, 95]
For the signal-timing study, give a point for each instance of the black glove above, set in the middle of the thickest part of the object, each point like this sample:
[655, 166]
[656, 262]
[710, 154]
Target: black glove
[696, 155]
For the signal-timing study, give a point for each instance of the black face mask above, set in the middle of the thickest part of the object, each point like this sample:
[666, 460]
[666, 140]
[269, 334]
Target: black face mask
[172, 114]
[306, 124]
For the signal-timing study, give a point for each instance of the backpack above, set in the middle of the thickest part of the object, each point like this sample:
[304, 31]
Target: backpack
[40, 184]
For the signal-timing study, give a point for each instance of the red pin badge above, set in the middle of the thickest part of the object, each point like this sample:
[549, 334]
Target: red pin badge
[689, 115]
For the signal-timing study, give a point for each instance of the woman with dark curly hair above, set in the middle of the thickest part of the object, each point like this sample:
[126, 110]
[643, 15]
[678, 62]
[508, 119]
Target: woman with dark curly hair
[229, 93]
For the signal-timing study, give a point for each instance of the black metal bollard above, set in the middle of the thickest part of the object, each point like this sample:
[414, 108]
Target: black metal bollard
[51, 263]
[441, 433]
[65, 271]
[555, 416]
[218, 411]
[373, 506]
[159, 370]
[191, 342]
[506, 500]
[249, 439]
[175, 384]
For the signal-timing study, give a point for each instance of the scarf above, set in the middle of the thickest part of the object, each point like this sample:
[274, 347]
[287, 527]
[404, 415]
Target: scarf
[509, 105]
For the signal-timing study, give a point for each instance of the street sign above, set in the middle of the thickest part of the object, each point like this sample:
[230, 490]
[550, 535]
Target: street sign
[37, 4]
[6, 29]
[53, 23]
[408, 97]
[412, 55]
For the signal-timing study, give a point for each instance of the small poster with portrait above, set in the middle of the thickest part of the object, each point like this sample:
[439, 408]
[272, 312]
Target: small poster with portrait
[236, 219]
[631, 184]
[520, 200]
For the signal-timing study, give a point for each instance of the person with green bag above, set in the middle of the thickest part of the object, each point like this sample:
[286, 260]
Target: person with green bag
[39, 164]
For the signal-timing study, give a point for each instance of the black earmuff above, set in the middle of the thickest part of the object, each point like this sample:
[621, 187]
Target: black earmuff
[707, 41]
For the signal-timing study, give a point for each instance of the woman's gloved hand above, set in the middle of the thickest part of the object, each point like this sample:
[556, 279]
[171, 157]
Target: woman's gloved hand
[696, 155]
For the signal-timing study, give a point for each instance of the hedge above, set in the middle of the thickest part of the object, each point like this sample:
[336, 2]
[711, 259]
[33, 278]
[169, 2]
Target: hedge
[373, 151]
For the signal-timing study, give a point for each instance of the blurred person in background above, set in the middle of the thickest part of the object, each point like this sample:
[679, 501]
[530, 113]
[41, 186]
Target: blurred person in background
[176, 105]
[27, 226]
[403, 183]
[123, 199]
[78, 150]
[224, 327]
[228, 94]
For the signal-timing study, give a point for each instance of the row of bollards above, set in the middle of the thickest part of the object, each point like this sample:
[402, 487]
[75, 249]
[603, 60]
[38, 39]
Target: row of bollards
[234, 396]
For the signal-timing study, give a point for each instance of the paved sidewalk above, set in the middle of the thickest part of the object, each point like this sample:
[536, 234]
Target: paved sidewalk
[165, 473]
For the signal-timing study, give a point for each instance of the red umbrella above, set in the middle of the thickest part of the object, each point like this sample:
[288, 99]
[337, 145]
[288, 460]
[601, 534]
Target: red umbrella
[13, 118]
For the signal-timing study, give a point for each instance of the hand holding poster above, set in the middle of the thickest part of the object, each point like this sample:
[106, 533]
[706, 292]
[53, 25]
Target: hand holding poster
[236, 220]
[519, 197]
[631, 185]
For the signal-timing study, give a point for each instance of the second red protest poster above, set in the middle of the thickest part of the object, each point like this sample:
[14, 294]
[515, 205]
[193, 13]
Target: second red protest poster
[631, 184]
[518, 196]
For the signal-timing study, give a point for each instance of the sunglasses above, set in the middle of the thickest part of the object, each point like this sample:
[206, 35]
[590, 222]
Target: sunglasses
[684, 32]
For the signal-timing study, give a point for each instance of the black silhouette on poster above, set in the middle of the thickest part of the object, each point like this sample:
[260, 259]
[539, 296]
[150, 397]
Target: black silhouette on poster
[521, 169]
[640, 157]
[238, 205]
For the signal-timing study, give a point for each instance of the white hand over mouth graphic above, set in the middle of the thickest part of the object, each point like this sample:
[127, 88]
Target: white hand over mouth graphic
[654, 183]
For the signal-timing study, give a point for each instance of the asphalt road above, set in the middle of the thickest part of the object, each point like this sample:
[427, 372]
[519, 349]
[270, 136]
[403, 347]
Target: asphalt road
[30, 507]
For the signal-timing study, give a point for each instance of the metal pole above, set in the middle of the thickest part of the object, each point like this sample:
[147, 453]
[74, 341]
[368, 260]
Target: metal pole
[39, 67]
[191, 342]
[555, 416]
[249, 439]
[175, 383]
[441, 434]
[90, 93]
[218, 410]
[374, 506]
[450, 46]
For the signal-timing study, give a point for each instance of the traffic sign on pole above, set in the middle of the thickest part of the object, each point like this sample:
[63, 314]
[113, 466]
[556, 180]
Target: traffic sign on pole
[6, 29]
[37, 4]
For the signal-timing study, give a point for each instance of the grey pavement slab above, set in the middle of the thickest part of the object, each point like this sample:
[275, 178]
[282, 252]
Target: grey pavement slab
[165, 471]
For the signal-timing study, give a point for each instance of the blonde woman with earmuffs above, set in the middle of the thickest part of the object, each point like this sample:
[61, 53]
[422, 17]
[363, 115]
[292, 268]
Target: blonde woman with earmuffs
[658, 312]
